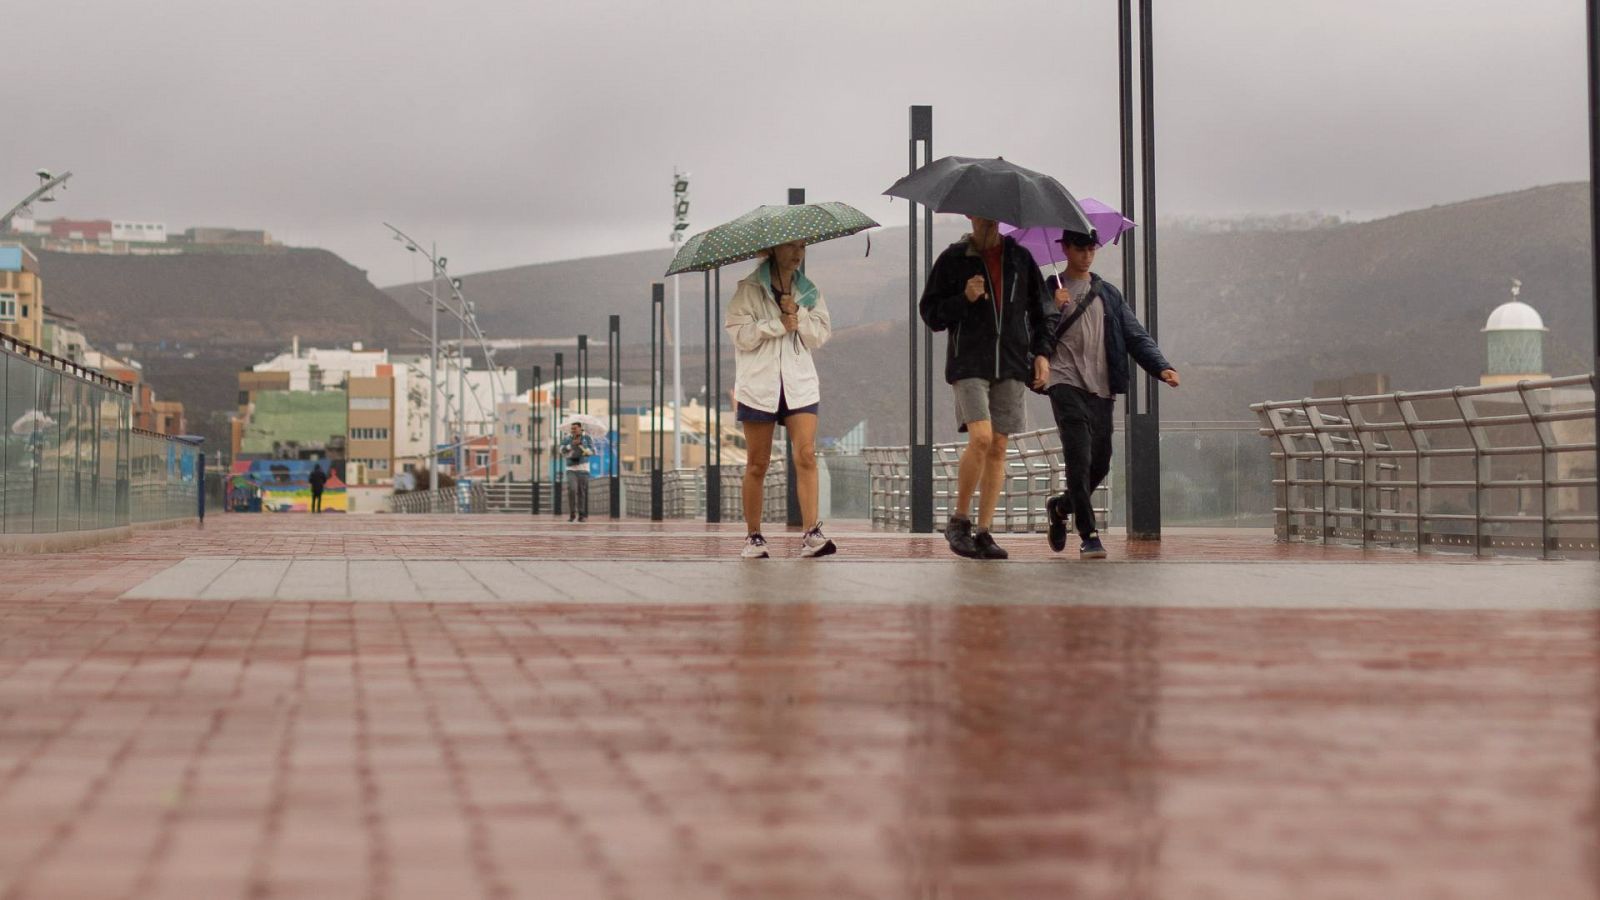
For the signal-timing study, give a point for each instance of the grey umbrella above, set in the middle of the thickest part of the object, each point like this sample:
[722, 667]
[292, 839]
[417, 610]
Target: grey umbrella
[993, 189]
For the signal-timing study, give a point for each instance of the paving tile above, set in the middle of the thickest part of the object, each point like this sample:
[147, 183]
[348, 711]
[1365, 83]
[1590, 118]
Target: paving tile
[394, 706]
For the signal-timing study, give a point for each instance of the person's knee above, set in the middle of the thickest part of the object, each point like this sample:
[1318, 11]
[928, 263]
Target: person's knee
[979, 441]
[996, 449]
[805, 460]
[755, 468]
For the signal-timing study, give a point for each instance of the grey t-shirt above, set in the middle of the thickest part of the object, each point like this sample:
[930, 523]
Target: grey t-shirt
[1079, 358]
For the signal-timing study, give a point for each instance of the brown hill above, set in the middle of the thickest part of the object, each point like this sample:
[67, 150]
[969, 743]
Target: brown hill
[222, 298]
[1246, 315]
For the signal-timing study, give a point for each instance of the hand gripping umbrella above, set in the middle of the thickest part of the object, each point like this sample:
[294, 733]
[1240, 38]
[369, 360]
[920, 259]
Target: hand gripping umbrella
[993, 189]
[764, 227]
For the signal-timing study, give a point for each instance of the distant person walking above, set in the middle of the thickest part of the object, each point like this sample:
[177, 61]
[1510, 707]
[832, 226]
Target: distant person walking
[576, 448]
[1092, 336]
[985, 290]
[318, 480]
[777, 319]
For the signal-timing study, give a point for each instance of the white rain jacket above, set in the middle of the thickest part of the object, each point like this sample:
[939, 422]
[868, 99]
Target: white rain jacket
[767, 359]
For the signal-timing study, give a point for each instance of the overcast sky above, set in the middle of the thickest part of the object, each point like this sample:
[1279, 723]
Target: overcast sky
[521, 133]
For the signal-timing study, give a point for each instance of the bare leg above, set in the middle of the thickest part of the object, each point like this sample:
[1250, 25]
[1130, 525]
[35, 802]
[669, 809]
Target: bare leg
[994, 475]
[803, 435]
[973, 461]
[758, 453]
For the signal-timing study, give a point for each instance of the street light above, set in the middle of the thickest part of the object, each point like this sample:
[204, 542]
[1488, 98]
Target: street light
[47, 183]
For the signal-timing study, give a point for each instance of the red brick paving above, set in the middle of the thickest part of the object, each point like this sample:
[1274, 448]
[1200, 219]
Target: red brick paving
[212, 749]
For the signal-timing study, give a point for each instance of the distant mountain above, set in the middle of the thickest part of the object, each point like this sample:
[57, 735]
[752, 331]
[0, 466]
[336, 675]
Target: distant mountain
[1246, 315]
[222, 298]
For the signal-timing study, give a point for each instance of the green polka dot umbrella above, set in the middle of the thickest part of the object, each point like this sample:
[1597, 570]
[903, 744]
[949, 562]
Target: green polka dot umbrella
[767, 226]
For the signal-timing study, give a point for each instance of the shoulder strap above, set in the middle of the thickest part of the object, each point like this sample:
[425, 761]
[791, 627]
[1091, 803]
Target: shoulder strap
[1081, 307]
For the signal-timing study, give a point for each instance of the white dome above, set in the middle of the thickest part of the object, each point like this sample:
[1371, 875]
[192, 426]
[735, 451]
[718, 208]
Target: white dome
[1514, 316]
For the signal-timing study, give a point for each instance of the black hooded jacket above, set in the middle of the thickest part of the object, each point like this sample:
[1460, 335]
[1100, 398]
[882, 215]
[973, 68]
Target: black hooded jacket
[985, 342]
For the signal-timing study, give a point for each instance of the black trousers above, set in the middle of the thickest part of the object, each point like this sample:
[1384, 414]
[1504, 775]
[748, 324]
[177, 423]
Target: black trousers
[1084, 423]
[316, 499]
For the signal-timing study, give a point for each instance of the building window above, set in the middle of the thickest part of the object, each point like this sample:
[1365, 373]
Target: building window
[516, 459]
[244, 397]
[8, 307]
[369, 402]
[481, 459]
[369, 434]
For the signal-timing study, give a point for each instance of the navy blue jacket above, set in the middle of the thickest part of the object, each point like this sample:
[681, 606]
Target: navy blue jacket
[1124, 336]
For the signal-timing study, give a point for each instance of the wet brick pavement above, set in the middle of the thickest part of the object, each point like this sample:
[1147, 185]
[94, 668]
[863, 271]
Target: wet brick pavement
[553, 748]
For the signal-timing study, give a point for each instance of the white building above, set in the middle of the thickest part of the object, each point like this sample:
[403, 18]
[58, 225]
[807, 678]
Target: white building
[484, 389]
[320, 369]
[139, 232]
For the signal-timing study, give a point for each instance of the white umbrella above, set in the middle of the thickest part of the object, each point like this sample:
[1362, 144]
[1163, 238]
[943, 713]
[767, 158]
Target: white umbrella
[593, 425]
[31, 421]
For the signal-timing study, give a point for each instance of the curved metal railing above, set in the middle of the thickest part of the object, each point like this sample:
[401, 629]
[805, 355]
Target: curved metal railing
[1491, 467]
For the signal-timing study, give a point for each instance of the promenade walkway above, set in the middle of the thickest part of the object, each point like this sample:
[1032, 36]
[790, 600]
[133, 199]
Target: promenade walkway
[495, 706]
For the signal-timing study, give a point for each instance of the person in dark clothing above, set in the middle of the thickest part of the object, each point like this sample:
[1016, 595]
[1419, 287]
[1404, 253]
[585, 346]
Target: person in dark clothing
[319, 480]
[985, 290]
[1088, 367]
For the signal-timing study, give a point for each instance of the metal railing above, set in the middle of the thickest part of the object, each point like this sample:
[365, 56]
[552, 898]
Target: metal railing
[683, 492]
[515, 496]
[1495, 467]
[461, 499]
[1035, 472]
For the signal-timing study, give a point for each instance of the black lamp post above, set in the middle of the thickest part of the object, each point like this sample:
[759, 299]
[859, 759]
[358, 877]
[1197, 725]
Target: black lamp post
[1144, 428]
[713, 436]
[797, 197]
[533, 442]
[583, 373]
[658, 398]
[557, 402]
[921, 446]
[613, 411]
[1594, 204]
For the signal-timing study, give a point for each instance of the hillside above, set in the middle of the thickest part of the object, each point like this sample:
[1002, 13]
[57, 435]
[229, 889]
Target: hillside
[1246, 315]
[221, 299]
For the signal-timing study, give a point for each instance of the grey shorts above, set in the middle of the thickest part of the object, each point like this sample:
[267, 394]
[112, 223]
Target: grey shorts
[997, 402]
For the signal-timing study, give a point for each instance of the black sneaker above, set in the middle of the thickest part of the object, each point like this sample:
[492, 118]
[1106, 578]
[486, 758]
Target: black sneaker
[987, 548]
[1058, 524]
[959, 535]
[1092, 548]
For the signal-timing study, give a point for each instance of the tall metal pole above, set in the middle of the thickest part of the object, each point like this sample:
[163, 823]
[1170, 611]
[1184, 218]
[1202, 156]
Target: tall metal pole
[716, 381]
[713, 473]
[583, 373]
[461, 395]
[433, 375]
[921, 446]
[1594, 204]
[797, 197]
[658, 398]
[613, 411]
[534, 430]
[557, 403]
[1144, 433]
[1130, 248]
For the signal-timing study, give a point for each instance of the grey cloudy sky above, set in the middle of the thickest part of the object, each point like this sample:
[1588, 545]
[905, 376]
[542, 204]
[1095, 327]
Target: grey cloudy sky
[520, 133]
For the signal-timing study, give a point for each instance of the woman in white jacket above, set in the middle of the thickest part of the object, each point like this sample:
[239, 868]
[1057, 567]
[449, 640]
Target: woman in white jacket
[777, 319]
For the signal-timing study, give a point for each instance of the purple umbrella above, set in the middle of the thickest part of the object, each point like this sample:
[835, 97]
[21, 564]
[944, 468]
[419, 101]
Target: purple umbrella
[1108, 223]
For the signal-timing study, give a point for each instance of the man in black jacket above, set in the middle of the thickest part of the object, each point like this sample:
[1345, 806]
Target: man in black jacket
[985, 290]
[1088, 367]
[318, 481]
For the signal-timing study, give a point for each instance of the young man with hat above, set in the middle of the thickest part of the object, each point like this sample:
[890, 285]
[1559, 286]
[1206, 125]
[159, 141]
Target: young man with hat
[1092, 335]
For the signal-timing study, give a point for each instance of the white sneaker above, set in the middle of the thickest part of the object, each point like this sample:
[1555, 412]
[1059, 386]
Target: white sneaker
[815, 543]
[755, 547]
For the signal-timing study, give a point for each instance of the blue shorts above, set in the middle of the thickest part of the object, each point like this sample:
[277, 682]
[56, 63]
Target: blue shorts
[751, 414]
